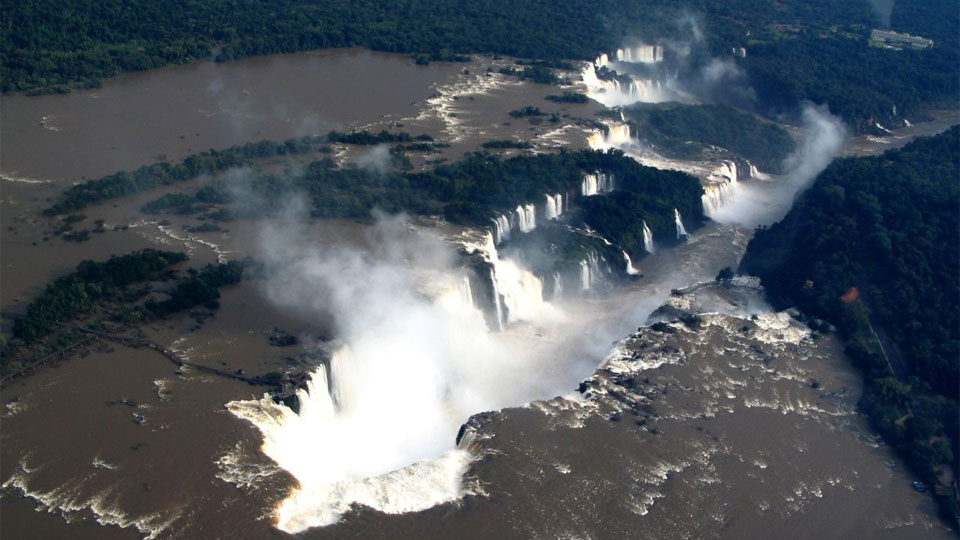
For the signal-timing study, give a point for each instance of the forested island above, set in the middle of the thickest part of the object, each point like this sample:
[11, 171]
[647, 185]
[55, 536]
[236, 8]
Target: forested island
[874, 248]
[796, 50]
[685, 131]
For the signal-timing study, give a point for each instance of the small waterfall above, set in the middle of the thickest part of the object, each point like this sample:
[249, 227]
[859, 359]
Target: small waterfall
[554, 206]
[646, 54]
[618, 134]
[721, 187]
[497, 299]
[501, 229]
[526, 218]
[595, 140]
[631, 271]
[681, 230]
[589, 271]
[612, 92]
[648, 239]
[557, 286]
[602, 61]
[596, 183]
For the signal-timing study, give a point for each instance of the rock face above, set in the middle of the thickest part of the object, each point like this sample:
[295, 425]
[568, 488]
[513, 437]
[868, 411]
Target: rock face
[719, 420]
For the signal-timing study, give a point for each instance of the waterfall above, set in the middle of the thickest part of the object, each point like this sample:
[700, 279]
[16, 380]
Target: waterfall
[602, 61]
[595, 140]
[618, 134]
[720, 188]
[526, 218]
[589, 271]
[554, 206]
[646, 54]
[596, 183]
[648, 239]
[631, 271]
[557, 286]
[459, 299]
[517, 292]
[501, 229]
[496, 299]
[681, 231]
[612, 92]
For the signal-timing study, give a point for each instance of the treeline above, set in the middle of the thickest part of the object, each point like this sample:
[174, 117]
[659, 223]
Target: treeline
[159, 174]
[214, 161]
[875, 244]
[473, 190]
[200, 288]
[796, 49]
[671, 127]
[91, 282]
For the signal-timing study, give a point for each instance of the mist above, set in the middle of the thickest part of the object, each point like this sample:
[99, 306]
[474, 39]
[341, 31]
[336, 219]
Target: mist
[883, 9]
[415, 361]
[766, 202]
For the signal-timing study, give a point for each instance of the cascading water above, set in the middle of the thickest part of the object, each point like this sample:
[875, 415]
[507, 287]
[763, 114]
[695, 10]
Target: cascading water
[596, 183]
[518, 293]
[631, 271]
[646, 54]
[526, 218]
[681, 230]
[501, 229]
[612, 92]
[589, 271]
[648, 239]
[554, 206]
[557, 286]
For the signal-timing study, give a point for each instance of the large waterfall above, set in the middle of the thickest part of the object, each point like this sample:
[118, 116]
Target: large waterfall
[518, 293]
[612, 92]
[648, 239]
[596, 183]
[681, 230]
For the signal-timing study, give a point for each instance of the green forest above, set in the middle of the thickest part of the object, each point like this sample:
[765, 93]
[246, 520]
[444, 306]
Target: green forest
[672, 127]
[797, 49]
[874, 248]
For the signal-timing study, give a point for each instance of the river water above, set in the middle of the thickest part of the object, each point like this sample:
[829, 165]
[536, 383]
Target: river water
[192, 469]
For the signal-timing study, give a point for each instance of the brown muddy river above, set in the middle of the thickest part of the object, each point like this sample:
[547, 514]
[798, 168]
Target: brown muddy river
[117, 443]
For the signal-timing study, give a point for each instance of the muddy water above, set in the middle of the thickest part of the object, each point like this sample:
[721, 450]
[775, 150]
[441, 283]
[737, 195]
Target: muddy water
[193, 470]
[180, 110]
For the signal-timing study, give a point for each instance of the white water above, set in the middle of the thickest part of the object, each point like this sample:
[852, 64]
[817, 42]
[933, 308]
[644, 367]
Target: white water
[526, 218]
[554, 206]
[646, 54]
[631, 271]
[501, 228]
[681, 230]
[648, 239]
[377, 427]
[596, 183]
[614, 93]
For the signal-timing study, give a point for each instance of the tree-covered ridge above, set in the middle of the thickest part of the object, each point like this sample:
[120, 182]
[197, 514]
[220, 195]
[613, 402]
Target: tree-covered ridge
[874, 245]
[683, 131]
[75, 293]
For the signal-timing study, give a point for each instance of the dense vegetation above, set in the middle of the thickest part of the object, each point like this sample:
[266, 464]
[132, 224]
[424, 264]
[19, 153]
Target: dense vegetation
[163, 173]
[476, 188]
[810, 49]
[91, 282]
[875, 245]
[671, 128]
